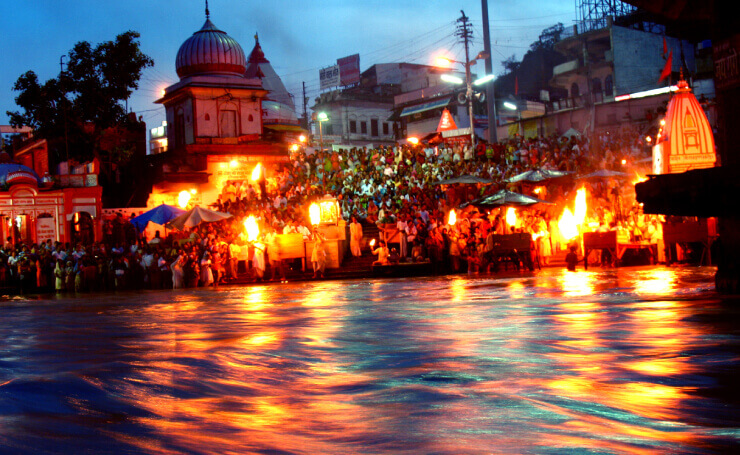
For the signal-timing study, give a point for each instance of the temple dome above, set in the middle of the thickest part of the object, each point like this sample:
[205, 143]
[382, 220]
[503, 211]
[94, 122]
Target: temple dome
[259, 67]
[13, 173]
[210, 51]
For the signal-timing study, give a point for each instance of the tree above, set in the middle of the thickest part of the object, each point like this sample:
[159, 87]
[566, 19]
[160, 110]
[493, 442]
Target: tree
[511, 64]
[73, 110]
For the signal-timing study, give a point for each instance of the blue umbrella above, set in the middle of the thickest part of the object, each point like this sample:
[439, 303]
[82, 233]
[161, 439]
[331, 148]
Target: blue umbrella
[159, 215]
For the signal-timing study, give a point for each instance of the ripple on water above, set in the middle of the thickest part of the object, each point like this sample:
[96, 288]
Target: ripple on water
[632, 360]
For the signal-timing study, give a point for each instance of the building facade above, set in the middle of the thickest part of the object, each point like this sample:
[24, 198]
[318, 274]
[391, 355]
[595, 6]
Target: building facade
[215, 128]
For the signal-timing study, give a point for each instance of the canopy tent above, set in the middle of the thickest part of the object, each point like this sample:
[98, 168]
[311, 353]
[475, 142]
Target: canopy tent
[160, 214]
[506, 197]
[537, 175]
[195, 216]
[465, 179]
[603, 174]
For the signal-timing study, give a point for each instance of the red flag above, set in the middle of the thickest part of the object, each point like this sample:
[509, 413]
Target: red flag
[667, 68]
[665, 47]
[516, 85]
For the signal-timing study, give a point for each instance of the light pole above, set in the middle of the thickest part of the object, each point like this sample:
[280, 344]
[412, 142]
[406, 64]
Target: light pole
[321, 117]
[445, 62]
[514, 107]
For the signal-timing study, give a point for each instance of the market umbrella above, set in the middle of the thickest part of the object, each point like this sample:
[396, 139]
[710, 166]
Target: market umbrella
[195, 216]
[537, 175]
[506, 197]
[469, 179]
[160, 214]
[603, 174]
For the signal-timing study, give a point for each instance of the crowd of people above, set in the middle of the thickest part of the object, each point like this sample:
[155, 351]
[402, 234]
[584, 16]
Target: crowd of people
[394, 188]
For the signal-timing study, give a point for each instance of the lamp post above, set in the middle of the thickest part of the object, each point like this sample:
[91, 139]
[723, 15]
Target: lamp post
[445, 62]
[321, 117]
[513, 107]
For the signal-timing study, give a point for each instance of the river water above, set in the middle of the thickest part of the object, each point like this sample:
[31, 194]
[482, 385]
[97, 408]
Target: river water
[634, 360]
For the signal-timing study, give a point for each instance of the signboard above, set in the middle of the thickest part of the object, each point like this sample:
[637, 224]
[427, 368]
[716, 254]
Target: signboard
[446, 122]
[727, 62]
[329, 77]
[349, 69]
[46, 228]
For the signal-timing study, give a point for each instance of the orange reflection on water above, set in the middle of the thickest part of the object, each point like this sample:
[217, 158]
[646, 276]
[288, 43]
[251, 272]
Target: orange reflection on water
[660, 367]
[580, 322]
[517, 289]
[577, 284]
[655, 282]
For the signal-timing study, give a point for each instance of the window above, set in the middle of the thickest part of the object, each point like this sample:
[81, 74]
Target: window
[374, 127]
[609, 85]
[353, 126]
[596, 85]
[363, 127]
[179, 128]
[386, 130]
[574, 91]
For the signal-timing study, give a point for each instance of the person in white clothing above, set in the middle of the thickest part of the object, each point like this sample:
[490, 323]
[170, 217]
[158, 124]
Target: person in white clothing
[355, 232]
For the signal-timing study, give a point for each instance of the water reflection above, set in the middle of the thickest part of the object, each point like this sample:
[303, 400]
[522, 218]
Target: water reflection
[573, 362]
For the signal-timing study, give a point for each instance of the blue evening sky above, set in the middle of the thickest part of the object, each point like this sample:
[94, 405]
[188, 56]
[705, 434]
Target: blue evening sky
[298, 36]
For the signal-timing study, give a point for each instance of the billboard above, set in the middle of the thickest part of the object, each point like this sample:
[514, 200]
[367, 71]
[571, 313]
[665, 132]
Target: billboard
[329, 77]
[349, 69]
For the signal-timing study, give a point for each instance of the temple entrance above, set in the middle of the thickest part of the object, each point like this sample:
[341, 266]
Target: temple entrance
[83, 228]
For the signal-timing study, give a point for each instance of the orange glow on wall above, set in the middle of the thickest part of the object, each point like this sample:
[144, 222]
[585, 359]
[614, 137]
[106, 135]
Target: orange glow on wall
[685, 142]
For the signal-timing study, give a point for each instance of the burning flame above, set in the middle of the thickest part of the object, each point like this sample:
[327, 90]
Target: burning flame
[257, 172]
[570, 221]
[580, 211]
[372, 243]
[568, 225]
[314, 212]
[452, 219]
[638, 179]
[183, 199]
[253, 230]
[511, 216]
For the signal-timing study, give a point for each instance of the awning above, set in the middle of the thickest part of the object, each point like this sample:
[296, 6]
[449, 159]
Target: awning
[410, 110]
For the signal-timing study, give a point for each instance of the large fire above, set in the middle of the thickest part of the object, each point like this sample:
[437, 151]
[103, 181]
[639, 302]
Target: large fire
[251, 227]
[638, 179]
[183, 199]
[580, 210]
[452, 218]
[511, 216]
[567, 225]
[570, 221]
[314, 212]
[257, 172]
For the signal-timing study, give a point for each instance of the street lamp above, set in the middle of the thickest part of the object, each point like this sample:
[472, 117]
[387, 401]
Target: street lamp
[321, 117]
[445, 63]
[513, 107]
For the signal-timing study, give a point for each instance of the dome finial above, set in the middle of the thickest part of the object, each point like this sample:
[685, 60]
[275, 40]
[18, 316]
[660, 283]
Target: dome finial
[256, 38]
[208, 13]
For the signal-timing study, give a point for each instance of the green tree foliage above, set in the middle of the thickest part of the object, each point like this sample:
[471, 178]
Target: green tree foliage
[74, 110]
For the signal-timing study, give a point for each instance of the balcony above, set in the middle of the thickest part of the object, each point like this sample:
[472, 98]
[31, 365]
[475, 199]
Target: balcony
[566, 67]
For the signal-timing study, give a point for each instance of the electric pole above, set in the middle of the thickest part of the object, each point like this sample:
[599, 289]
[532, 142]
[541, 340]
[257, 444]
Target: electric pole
[465, 32]
[305, 111]
[490, 95]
